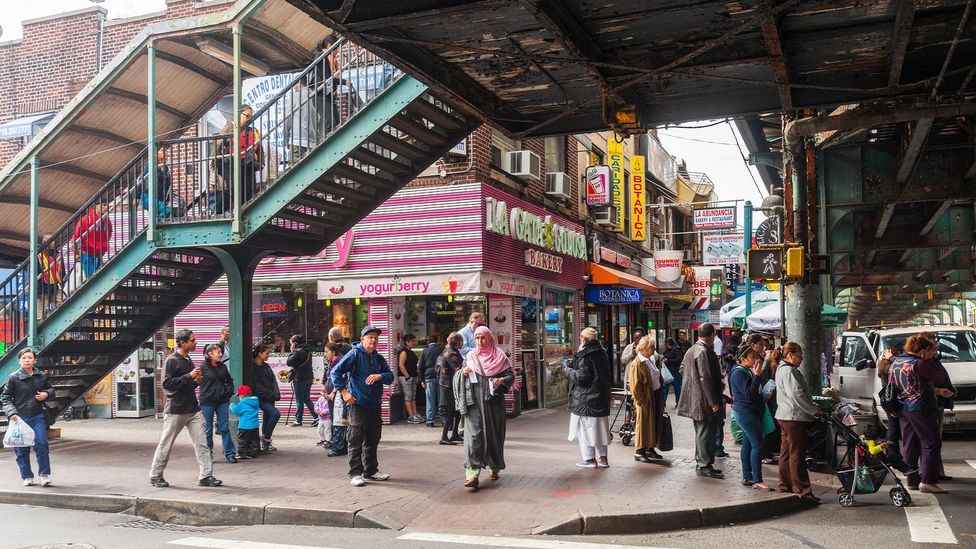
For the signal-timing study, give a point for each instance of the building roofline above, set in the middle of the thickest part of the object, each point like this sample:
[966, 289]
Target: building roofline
[64, 15]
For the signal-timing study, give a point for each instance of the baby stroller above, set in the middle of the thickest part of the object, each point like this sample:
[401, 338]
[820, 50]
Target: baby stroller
[861, 473]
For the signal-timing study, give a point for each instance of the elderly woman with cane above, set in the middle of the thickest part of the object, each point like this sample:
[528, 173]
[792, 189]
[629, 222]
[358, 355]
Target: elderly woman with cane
[589, 400]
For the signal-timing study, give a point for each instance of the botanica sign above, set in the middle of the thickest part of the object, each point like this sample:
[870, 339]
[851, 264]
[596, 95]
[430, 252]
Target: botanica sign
[533, 229]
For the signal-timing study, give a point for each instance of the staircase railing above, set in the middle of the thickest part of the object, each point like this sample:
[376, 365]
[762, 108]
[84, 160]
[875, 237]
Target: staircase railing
[70, 257]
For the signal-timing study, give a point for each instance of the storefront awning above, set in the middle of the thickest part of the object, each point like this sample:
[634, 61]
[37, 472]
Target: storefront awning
[24, 127]
[606, 275]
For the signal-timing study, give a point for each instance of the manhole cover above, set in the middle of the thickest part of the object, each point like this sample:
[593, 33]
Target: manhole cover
[146, 524]
[62, 546]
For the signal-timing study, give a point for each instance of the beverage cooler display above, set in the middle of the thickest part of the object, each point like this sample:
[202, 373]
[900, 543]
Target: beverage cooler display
[133, 382]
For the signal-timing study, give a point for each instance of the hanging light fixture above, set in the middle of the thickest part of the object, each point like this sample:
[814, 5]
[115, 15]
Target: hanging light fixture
[877, 294]
[931, 294]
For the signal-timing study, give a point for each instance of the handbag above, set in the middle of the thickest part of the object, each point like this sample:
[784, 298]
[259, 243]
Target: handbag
[888, 398]
[665, 442]
[50, 416]
[768, 423]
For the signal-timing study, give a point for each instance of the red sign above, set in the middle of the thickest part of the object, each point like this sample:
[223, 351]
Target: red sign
[653, 304]
[544, 261]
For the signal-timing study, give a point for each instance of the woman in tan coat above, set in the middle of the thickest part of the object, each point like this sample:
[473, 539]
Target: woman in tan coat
[645, 384]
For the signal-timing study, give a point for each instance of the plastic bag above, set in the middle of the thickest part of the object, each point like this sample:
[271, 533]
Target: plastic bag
[667, 376]
[735, 428]
[19, 435]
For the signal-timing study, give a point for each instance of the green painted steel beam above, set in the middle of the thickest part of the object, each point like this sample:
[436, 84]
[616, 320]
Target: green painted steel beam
[151, 141]
[345, 139]
[216, 232]
[238, 311]
[32, 339]
[238, 187]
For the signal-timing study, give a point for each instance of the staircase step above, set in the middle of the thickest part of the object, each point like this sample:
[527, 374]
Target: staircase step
[379, 161]
[435, 114]
[134, 304]
[333, 209]
[399, 146]
[162, 278]
[313, 220]
[354, 197]
[375, 181]
[204, 266]
[119, 316]
[418, 131]
[154, 291]
[90, 347]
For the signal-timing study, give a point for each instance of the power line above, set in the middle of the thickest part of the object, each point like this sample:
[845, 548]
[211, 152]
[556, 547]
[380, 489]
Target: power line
[700, 140]
[744, 161]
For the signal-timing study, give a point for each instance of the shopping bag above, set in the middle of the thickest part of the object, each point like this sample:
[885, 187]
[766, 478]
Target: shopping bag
[667, 376]
[863, 483]
[735, 428]
[19, 435]
[666, 442]
[768, 423]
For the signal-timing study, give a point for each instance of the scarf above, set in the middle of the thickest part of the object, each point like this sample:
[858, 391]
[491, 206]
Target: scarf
[493, 360]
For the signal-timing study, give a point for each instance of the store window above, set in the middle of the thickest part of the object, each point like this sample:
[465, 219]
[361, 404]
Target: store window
[560, 342]
[282, 311]
[433, 318]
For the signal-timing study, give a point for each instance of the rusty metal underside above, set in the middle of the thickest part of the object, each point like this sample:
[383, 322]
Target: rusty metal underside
[538, 67]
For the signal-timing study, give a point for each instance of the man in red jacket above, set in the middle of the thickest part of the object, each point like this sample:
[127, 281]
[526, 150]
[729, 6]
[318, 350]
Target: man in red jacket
[92, 232]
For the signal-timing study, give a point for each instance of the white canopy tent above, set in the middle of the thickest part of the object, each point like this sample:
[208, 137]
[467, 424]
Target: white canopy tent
[766, 318]
[736, 308]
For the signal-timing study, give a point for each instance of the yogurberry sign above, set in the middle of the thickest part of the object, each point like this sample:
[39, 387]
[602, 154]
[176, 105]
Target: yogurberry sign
[533, 229]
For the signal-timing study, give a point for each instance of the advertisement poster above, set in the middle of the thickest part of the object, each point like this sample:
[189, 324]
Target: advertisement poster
[557, 384]
[615, 153]
[638, 210]
[714, 218]
[500, 318]
[722, 249]
[598, 182]
[280, 369]
[699, 294]
[680, 320]
[101, 393]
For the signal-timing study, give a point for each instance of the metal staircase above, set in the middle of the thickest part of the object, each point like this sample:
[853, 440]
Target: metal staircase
[349, 132]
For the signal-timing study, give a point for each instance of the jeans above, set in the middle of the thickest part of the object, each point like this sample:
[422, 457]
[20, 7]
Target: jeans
[432, 391]
[90, 263]
[303, 396]
[36, 423]
[365, 429]
[271, 417]
[677, 387]
[752, 445]
[221, 410]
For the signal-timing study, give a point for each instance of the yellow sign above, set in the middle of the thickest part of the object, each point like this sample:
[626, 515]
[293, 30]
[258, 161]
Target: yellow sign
[615, 153]
[101, 393]
[638, 213]
[594, 159]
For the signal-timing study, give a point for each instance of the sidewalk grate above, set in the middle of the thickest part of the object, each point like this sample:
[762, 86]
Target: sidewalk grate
[147, 524]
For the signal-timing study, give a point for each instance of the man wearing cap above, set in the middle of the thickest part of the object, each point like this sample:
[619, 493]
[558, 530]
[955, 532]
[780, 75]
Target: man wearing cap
[359, 378]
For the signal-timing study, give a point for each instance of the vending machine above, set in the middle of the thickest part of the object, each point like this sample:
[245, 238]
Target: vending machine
[133, 382]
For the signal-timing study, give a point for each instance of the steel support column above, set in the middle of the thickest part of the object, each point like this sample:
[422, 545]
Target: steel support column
[32, 340]
[238, 187]
[746, 246]
[803, 298]
[151, 142]
[239, 267]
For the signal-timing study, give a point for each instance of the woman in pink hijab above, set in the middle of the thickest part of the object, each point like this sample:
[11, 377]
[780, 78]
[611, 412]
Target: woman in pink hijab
[491, 375]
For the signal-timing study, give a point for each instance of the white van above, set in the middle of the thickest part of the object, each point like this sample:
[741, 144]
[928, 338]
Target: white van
[858, 353]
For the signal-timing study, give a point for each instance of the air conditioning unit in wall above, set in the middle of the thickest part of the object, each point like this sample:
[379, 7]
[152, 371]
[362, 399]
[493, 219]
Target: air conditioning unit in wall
[604, 215]
[557, 185]
[525, 164]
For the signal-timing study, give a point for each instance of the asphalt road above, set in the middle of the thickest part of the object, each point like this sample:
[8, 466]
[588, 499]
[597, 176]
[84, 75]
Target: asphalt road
[873, 522]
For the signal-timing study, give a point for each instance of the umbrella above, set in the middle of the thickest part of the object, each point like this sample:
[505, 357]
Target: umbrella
[733, 313]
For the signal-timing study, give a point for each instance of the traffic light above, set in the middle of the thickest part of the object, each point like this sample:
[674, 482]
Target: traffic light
[794, 263]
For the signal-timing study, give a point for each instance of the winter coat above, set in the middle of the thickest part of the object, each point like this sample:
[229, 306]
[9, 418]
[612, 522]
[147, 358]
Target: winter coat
[672, 359]
[701, 387]
[247, 412]
[589, 378]
[428, 361]
[645, 405]
[352, 370]
[793, 401]
[301, 362]
[18, 394]
[180, 388]
[264, 383]
[217, 386]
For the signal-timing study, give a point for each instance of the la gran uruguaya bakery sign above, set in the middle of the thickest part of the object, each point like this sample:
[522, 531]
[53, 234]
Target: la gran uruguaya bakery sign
[533, 229]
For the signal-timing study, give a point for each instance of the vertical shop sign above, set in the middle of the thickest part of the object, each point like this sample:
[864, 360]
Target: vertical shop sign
[616, 156]
[638, 212]
[501, 319]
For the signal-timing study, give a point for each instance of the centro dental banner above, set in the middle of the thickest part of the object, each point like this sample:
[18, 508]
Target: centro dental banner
[433, 284]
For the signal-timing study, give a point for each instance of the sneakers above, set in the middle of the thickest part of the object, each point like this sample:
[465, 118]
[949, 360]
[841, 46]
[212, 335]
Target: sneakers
[45, 480]
[602, 463]
[29, 481]
[315, 422]
[414, 419]
[158, 482]
[925, 488]
[378, 476]
[294, 424]
[357, 481]
[587, 464]
[267, 446]
[210, 481]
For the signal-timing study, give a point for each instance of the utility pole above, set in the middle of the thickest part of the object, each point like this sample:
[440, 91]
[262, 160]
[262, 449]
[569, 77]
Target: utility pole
[803, 298]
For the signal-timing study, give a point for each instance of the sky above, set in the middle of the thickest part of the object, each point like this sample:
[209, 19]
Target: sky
[15, 11]
[713, 150]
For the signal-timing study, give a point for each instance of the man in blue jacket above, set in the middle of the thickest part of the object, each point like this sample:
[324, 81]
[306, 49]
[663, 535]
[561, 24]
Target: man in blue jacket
[359, 378]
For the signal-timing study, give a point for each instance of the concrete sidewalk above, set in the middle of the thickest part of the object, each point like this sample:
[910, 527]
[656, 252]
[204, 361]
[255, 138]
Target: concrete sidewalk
[104, 465]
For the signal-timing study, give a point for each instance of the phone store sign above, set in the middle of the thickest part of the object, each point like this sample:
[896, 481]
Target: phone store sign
[533, 229]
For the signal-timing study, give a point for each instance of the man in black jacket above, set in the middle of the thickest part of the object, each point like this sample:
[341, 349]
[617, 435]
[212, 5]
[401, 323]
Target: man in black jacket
[428, 373]
[182, 411]
[589, 400]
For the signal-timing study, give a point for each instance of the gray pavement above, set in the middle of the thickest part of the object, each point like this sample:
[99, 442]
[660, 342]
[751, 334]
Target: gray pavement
[540, 491]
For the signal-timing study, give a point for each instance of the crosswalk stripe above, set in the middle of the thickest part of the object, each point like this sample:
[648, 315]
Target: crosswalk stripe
[926, 521]
[216, 543]
[971, 463]
[491, 541]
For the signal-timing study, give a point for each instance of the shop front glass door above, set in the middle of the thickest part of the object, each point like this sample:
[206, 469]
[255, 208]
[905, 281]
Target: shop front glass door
[530, 353]
[559, 343]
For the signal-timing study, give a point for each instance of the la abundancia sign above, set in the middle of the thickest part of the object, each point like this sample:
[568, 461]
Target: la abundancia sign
[533, 229]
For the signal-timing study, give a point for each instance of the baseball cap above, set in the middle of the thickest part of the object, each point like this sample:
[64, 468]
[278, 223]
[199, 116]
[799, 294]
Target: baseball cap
[369, 329]
[244, 390]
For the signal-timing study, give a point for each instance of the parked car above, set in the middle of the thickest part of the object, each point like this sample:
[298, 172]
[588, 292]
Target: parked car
[858, 353]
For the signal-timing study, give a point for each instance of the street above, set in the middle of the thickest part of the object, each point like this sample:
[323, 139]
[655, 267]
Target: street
[872, 522]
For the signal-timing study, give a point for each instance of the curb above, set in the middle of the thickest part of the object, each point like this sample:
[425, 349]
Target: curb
[201, 513]
[677, 519]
